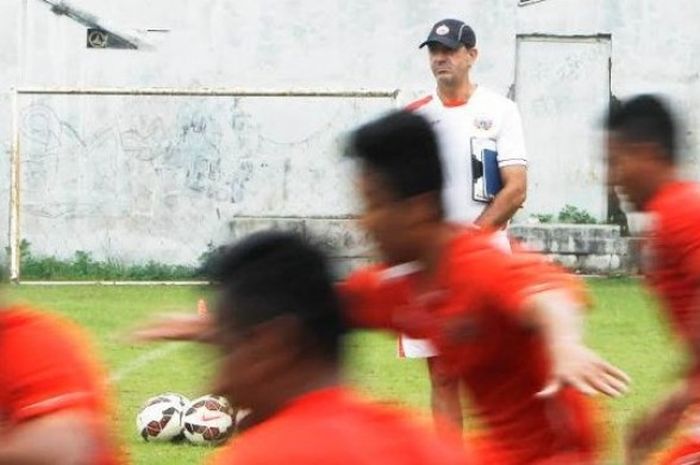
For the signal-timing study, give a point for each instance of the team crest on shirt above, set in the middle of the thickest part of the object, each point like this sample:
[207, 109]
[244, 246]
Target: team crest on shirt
[483, 122]
[442, 30]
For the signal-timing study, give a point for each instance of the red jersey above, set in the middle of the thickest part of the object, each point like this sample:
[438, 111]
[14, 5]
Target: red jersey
[671, 254]
[470, 311]
[334, 426]
[47, 367]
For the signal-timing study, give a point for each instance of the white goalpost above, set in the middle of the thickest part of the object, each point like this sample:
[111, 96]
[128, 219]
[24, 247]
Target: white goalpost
[15, 191]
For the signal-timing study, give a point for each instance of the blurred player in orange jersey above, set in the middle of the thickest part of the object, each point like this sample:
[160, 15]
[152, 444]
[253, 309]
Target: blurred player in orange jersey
[642, 159]
[279, 327]
[508, 326]
[53, 396]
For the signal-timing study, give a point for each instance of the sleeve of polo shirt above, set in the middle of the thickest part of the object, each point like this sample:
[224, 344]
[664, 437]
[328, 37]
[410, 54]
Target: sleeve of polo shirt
[511, 142]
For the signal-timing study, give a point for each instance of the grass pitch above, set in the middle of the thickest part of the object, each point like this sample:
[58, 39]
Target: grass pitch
[624, 326]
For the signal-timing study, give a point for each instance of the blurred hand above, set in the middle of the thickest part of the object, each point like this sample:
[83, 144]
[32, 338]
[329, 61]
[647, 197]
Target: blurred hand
[659, 423]
[575, 365]
[176, 327]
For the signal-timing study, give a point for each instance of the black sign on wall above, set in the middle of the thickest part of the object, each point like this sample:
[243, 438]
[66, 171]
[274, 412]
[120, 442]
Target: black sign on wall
[99, 38]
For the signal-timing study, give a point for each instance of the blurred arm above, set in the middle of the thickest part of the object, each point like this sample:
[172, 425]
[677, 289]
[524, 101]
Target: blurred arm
[367, 302]
[177, 327]
[658, 424]
[508, 200]
[559, 318]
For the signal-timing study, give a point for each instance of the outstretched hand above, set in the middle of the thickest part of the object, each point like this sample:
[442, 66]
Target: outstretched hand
[579, 367]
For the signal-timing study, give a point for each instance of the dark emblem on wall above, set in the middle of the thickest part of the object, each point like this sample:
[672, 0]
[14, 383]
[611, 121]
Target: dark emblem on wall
[99, 38]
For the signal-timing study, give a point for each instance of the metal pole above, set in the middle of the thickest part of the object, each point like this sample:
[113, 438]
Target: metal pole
[211, 92]
[14, 233]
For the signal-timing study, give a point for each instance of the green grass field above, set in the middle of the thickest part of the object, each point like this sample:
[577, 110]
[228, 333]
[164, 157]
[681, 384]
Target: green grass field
[624, 327]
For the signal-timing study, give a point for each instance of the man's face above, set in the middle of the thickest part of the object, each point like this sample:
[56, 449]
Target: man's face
[450, 67]
[385, 218]
[254, 358]
[629, 166]
[232, 378]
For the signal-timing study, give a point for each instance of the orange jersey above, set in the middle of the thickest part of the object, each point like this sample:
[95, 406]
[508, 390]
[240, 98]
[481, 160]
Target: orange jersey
[682, 452]
[335, 426]
[47, 367]
[671, 254]
[471, 313]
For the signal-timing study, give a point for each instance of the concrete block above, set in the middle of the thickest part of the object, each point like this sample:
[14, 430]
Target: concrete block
[596, 264]
[569, 261]
[568, 238]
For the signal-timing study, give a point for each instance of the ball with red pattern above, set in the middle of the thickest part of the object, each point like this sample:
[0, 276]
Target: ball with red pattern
[208, 420]
[160, 419]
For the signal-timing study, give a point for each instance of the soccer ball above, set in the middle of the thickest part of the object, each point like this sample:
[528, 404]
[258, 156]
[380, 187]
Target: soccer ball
[243, 420]
[208, 420]
[179, 399]
[160, 418]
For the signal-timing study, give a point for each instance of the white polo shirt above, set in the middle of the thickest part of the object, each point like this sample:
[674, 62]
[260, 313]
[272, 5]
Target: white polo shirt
[486, 115]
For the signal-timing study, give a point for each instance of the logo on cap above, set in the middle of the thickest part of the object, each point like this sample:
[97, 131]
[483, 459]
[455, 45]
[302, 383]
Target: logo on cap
[442, 30]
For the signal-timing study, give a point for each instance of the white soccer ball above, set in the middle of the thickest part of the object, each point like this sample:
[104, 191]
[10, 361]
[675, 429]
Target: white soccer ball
[208, 420]
[160, 418]
[179, 399]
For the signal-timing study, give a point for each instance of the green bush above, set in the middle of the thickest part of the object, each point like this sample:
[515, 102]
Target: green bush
[544, 218]
[82, 267]
[571, 214]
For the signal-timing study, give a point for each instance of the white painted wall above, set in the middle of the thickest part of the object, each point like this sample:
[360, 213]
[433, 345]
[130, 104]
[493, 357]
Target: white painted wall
[275, 44]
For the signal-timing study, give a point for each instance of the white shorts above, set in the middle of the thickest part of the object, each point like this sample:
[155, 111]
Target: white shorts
[415, 348]
[409, 347]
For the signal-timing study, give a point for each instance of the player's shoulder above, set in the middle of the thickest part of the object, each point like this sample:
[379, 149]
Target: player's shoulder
[473, 249]
[420, 104]
[339, 426]
[23, 320]
[470, 240]
[680, 194]
[253, 446]
[362, 277]
[51, 337]
[678, 202]
[676, 206]
[373, 275]
[474, 253]
[290, 430]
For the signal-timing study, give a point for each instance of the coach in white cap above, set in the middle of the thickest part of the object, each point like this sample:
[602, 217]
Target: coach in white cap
[481, 144]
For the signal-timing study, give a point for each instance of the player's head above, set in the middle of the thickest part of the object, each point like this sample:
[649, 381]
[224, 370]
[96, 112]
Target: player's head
[400, 181]
[451, 50]
[278, 315]
[641, 146]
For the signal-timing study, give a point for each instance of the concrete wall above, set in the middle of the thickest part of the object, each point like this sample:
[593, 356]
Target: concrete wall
[144, 178]
[587, 249]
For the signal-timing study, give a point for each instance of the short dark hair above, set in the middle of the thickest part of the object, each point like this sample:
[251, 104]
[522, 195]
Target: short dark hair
[402, 148]
[273, 273]
[645, 118]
